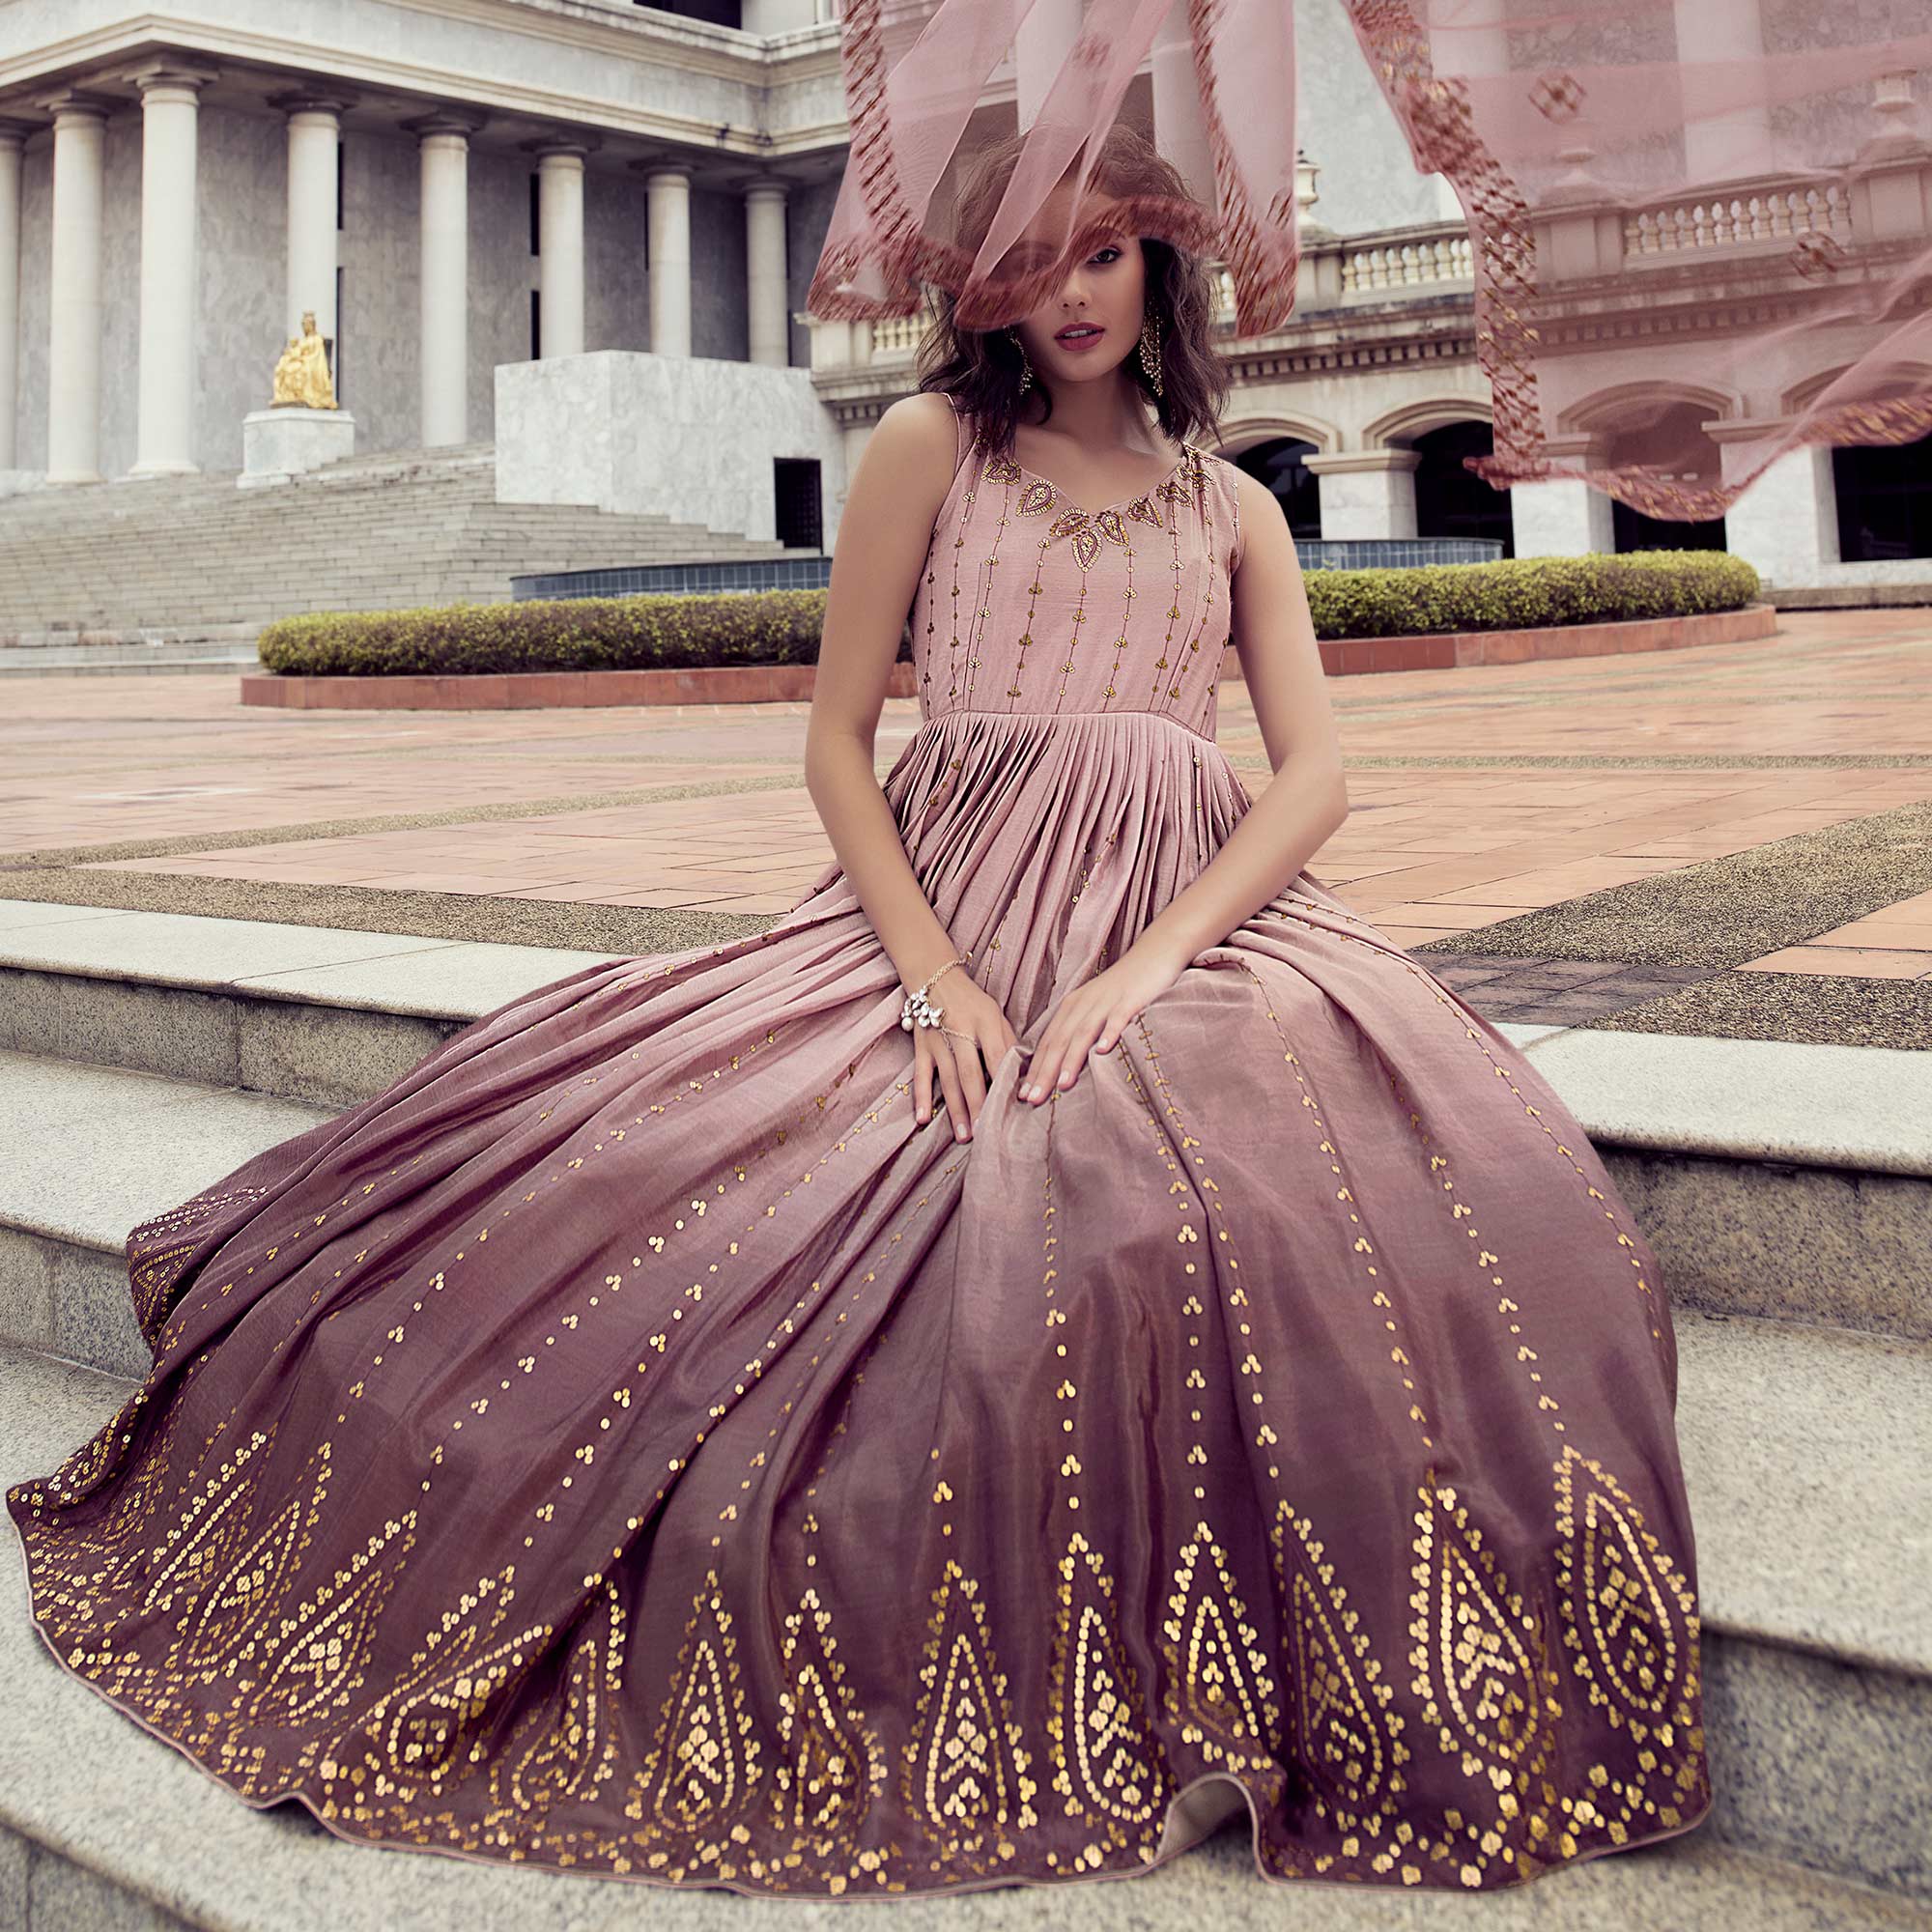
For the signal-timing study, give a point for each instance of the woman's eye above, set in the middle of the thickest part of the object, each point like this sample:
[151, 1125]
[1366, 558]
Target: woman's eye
[1109, 249]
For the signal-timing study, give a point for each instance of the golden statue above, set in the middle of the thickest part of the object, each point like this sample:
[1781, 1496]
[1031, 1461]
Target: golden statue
[301, 376]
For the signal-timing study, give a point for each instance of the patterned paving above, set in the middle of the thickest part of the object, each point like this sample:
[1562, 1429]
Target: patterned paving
[1581, 837]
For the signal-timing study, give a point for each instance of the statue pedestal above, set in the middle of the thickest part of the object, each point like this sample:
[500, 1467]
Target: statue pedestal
[276, 444]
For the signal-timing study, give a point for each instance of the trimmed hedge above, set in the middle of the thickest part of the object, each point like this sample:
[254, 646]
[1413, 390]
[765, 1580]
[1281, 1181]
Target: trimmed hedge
[770, 627]
[1527, 593]
[641, 633]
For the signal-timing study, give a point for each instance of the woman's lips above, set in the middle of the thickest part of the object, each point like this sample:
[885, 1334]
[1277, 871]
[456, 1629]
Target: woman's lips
[1086, 341]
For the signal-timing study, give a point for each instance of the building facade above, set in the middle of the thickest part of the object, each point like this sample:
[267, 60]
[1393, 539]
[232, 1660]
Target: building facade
[461, 190]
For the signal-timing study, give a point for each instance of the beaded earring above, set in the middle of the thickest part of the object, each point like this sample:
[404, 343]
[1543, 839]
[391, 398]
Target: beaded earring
[1151, 349]
[1025, 368]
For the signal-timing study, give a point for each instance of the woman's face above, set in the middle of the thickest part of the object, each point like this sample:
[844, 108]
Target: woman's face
[1105, 291]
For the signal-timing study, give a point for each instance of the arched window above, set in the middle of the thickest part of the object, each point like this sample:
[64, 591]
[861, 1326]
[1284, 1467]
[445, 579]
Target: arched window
[1450, 501]
[1885, 499]
[1281, 463]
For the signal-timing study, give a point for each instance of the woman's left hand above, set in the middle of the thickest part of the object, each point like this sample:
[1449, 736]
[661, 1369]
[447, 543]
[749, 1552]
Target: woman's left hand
[1093, 1016]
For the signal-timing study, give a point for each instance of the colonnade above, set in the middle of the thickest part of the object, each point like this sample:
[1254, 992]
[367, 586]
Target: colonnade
[170, 91]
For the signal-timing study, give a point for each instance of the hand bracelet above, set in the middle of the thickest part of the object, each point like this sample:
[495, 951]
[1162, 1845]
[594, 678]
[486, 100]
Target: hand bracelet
[917, 1009]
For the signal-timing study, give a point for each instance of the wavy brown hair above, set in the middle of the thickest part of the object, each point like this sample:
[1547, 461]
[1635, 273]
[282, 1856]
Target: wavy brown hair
[980, 368]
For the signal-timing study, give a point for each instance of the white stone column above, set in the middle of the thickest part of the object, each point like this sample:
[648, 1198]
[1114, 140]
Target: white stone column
[1560, 519]
[73, 292]
[560, 244]
[1722, 147]
[768, 312]
[1785, 526]
[668, 222]
[445, 149]
[14, 137]
[314, 131]
[1046, 39]
[1367, 493]
[1181, 129]
[170, 98]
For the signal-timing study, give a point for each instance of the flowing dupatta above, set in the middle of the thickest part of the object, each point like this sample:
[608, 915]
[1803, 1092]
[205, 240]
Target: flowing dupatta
[1700, 230]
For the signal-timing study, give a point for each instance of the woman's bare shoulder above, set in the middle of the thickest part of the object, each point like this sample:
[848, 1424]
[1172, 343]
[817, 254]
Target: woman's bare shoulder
[925, 418]
[915, 445]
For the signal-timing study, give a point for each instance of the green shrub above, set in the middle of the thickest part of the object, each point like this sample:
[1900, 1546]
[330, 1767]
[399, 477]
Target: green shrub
[643, 633]
[1527, 593]
[772, 627]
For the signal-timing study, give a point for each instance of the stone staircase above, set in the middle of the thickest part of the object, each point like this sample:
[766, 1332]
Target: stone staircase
[181, 573]
[1787, 1189]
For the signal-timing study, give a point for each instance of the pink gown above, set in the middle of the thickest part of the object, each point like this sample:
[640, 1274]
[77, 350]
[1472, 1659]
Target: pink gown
[631, 1443]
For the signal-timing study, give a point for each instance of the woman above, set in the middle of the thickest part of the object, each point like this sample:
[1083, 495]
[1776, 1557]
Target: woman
[638, 1443]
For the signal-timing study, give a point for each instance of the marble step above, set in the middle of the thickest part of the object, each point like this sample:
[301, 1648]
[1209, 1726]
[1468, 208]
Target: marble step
[396, 529]
[1806, 1456]
[1793, 1181]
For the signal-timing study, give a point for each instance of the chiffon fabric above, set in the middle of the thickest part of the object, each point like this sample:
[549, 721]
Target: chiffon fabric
[1699, 231]
[631, 1443]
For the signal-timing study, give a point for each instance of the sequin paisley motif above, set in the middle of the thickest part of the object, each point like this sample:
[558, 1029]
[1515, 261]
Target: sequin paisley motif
[1086, 529]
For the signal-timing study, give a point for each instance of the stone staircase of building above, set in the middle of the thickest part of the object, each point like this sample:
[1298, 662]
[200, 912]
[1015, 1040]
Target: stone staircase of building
[181, 573]
[1787, 1189]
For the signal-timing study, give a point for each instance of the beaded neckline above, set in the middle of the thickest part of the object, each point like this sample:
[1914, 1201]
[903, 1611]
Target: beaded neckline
[1186, 477]
[1158, 487]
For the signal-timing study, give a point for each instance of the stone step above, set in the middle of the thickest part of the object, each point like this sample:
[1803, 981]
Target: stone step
[1806, 1457]
[1775, 1179]
[161, 667]
[130, 651]
[394, 529]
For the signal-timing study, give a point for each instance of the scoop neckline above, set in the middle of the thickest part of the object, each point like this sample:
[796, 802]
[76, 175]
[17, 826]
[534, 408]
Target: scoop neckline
[1180, 463]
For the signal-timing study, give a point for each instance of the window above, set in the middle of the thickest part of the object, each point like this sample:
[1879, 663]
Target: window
[1885, 505]
[536, 233]
[536, 325]
[795, 484]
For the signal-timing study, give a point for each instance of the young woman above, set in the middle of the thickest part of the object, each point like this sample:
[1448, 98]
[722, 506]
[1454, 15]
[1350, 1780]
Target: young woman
[645, 1440]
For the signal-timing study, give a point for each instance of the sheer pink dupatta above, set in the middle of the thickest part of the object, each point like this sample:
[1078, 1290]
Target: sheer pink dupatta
[912, 84]
[1701, 230]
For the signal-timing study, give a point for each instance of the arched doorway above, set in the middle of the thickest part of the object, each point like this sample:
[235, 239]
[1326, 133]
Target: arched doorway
[1885, 499]
[1450, 500]
[1672, 442]
[1281, 463]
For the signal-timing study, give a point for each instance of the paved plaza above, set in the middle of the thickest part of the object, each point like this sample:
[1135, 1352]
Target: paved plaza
[1732, 840]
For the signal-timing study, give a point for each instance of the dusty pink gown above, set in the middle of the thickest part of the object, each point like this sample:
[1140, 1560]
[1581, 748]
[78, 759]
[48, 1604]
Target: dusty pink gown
[632, 1443]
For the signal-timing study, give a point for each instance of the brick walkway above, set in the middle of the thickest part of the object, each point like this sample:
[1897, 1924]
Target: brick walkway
[1478, 794]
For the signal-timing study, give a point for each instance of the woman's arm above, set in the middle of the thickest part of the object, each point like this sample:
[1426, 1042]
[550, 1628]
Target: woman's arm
[1307, 797]
[884, 533]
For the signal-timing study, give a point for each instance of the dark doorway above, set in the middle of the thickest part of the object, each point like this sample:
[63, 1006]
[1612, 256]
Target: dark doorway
[1885, 499]
[719, 12]
[1452, 502]
[1673, 443]
[1283, 465]
[795, 482]
[1632, 530]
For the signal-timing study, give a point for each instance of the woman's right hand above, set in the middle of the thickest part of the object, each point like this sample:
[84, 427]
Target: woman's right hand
[967, 1010]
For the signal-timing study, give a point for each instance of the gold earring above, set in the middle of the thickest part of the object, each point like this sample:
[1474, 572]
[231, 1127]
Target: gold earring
[1151, 349]
[1025, 368]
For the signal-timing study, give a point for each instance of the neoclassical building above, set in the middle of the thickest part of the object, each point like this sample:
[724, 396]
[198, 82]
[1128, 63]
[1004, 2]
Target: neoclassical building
[582, 230]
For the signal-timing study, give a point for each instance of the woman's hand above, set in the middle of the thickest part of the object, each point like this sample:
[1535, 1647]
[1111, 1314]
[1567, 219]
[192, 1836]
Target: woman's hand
[971, 1023]
[1093, 1016]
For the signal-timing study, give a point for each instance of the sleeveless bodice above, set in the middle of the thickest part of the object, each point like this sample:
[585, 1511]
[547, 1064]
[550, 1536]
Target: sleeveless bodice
[1066, 659]
[1031, 603]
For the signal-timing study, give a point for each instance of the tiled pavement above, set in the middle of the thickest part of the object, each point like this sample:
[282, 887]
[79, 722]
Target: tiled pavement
[1481, 798]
